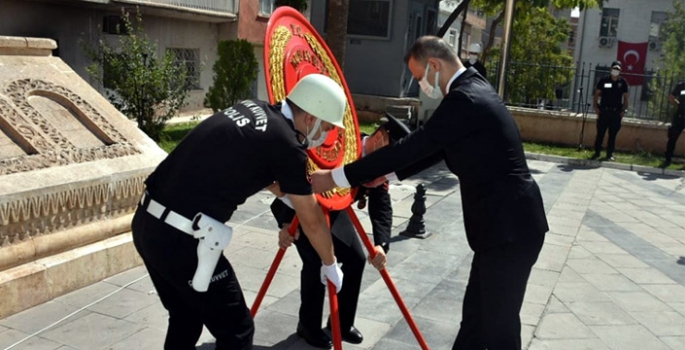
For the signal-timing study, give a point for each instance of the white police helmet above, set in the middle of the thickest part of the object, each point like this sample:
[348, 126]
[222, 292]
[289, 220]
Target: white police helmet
[474, 48]
[321, 97]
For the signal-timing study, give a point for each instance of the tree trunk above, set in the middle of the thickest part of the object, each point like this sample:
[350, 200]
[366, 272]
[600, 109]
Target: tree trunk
[453, 16]
[461, 30]
[336, 31]
[491, 39]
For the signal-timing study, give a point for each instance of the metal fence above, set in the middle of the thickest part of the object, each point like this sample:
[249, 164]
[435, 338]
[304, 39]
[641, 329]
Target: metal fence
[571, 88]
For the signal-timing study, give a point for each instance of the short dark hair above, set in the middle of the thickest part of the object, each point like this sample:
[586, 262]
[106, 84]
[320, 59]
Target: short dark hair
[430, 46]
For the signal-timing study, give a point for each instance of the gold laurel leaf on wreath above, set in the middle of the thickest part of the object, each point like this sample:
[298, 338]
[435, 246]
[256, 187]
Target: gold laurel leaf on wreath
[279, 40]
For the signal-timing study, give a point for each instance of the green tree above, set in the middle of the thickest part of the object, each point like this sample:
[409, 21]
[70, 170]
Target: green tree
[539, 65]
[139, 84]
[234, 72]
[672, 64]
[499, 4]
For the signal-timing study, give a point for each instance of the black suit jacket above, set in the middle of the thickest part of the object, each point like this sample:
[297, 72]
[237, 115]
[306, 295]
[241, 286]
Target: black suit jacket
[475, 134]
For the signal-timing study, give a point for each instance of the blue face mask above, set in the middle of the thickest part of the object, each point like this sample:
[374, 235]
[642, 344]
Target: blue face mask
[434, 91]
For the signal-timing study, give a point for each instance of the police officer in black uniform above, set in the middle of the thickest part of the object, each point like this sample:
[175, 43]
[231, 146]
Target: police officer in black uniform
[472, 61]
[613, 91]
[677, 98]
[348, 250]
[225, 159]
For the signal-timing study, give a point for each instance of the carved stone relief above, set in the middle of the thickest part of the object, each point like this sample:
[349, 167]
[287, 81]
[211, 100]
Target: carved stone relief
[51, 212]
[44, 144]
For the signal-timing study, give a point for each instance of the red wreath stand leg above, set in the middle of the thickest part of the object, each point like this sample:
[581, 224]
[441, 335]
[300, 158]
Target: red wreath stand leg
[337, 338]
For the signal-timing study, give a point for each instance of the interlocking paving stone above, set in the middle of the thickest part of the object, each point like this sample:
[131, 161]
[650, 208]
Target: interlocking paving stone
[93, 331]
[637, 247]
[600, 313]
[629, 337]
[662, 323]
[567, 344]
[562, 326]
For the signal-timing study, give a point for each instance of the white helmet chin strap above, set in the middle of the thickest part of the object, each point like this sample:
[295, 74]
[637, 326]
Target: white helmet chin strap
[317, 125]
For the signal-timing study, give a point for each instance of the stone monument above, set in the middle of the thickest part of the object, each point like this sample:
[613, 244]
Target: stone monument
[71, 172]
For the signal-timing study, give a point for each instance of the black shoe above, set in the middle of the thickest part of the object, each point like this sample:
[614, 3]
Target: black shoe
[610, 158]
[352, 335]
[317, 338]
[665, 163]
[595, 156]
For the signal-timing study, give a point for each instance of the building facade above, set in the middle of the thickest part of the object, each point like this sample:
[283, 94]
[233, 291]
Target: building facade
[379, 33]
[191, 29]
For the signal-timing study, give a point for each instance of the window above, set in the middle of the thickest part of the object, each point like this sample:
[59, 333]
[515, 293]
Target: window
[658, 19]
[190, 58]
[452, 35]
[266, 7]
[369, 18]
[609, 25]
[114, 25]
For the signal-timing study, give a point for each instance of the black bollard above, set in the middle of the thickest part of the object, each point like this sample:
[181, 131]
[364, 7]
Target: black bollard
[417, 226]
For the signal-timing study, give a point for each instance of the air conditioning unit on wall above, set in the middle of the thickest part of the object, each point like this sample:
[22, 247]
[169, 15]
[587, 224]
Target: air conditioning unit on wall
[654, 44]
[606, 41]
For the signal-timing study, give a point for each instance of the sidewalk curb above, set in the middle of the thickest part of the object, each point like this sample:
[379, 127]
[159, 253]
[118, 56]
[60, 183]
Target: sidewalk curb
[601, 164]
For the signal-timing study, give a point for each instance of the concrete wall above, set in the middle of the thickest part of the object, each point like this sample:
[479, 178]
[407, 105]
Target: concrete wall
[564, 128]
[69, 25]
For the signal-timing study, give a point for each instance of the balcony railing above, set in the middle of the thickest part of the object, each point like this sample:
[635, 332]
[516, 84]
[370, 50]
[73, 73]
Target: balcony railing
[225, 6]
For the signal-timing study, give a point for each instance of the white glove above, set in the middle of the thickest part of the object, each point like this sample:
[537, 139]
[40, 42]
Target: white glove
[286, 200]
[332, 273]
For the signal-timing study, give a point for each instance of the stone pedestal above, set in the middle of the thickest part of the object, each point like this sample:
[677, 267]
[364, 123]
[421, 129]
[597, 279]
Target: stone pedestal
[71, 172]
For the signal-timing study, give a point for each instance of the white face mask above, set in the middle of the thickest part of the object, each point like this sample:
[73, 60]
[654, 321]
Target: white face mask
[313, 143]
[615, 72]
[433, 92]
[473, 59]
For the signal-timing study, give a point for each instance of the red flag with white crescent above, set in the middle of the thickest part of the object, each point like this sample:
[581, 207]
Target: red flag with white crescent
[633, 57]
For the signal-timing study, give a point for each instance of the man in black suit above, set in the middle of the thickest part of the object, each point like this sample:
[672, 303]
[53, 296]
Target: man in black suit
[504, 217]
[348, 249]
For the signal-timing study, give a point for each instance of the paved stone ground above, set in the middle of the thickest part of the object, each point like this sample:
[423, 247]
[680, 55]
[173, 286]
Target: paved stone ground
[611, 275]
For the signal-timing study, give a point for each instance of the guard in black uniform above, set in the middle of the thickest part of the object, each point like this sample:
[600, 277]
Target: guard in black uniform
[348, 250]
[179, 229]
[474, 52]
[677, 98]
[613, 91]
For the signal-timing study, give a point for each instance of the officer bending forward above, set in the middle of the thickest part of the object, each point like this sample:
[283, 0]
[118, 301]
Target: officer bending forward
[179, 229]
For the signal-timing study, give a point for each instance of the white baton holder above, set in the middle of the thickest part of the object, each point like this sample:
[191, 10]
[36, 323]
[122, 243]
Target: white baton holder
[214, 236]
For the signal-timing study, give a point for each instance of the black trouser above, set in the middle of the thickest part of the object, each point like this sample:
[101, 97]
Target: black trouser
[312, 291]
[380, 213]
[608, 119]
[494, 295]
[170, 257]
[674, 131]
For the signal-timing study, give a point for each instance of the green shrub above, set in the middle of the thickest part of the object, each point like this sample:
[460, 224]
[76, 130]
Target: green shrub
[141, 86]
[234, 72]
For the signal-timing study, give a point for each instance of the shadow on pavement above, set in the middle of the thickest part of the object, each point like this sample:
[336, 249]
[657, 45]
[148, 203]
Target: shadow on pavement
[652, 176]
[568, 168]
[681, 261]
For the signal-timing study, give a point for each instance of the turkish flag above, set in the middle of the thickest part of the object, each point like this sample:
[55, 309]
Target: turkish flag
[632, 57]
